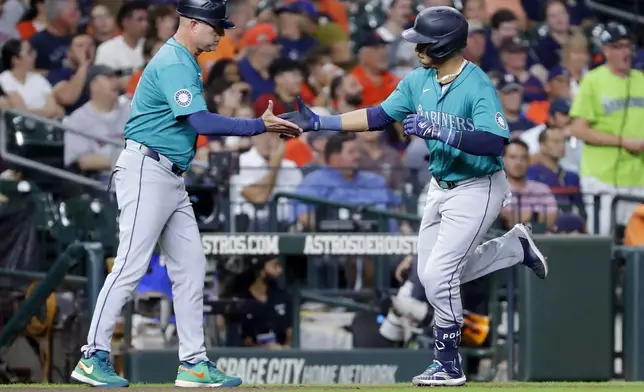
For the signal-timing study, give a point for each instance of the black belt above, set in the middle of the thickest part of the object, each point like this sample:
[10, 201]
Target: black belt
[448, 185]
[150, 153]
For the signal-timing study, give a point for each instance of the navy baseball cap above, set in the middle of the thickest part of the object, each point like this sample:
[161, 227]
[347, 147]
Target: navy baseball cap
[371, 40]
[508, 83]
[560, 105]
[557, 71]
[299, 7]
[513, 45]
[99, 70]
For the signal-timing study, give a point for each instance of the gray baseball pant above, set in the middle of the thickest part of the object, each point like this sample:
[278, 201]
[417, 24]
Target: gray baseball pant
[454, 222]
[154, 206]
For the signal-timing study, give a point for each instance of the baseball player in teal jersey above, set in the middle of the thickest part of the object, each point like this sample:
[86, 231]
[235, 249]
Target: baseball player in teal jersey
[451, 104]
[168, 113]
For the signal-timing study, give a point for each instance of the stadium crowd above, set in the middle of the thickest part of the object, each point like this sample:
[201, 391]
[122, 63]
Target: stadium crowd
[569, 86]
[79, 62]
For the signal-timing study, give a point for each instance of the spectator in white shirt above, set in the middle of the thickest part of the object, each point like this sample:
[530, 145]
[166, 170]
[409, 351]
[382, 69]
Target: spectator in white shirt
[104, 115]
[27, 90]
[124, 53]
[263, 171]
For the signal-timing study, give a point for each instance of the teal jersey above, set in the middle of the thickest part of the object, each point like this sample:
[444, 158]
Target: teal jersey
[470, 103]
[170, 88]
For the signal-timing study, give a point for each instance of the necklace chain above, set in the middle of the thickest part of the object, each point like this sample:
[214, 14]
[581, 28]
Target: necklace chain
[452, 75]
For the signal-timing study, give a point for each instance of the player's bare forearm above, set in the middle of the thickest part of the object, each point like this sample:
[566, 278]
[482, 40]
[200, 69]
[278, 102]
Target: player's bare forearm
[583, 131]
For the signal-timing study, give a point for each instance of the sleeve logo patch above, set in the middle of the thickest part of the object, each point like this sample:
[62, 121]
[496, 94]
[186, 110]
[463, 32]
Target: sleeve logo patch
[183, 98]
[500, 121]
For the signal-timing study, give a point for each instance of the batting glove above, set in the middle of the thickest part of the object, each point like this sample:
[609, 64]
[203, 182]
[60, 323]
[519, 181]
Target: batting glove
[303, 118]
[418, 125]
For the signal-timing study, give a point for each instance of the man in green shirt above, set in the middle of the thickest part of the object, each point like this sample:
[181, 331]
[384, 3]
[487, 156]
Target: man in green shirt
[608, 115]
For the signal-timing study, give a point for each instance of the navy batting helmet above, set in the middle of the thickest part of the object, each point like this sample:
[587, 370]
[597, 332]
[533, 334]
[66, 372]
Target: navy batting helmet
[210, 12]
[444, 29]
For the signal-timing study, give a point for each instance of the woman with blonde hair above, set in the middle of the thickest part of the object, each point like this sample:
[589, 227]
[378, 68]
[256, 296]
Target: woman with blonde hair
[576, 59]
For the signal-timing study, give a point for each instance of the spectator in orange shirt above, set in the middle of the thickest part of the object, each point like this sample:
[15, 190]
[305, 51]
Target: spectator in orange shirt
[150, 47]
[558, 86]
[34, 20]
[372, 72]
[634, 234]
[240, 12]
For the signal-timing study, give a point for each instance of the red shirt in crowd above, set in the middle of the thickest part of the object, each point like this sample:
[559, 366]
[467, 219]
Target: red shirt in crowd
[374, 94]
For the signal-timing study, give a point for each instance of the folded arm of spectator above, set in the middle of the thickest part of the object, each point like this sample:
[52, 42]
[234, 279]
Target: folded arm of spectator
[67, 92]
[546, 212]
[79, 150]
[93, 162]
[260, 191]
[581, 129]
[50, 110]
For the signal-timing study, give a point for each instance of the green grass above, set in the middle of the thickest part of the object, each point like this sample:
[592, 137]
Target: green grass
[403, 387]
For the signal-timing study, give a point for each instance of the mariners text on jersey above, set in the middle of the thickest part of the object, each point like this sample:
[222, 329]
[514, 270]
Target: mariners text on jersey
[469, 103]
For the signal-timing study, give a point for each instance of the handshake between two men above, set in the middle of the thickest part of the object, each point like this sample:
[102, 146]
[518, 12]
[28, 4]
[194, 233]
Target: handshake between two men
[309, 121]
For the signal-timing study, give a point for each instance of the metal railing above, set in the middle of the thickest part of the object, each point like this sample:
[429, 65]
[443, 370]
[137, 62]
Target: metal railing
[49, 169]
[382, 215]
[617, 12]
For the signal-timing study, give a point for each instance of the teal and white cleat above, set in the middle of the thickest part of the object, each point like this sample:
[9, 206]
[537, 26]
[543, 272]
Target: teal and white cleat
[97, 371]
[204, 375]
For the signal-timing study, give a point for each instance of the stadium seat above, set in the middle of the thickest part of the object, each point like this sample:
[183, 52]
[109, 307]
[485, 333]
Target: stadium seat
[38, 141]
[90, 219]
